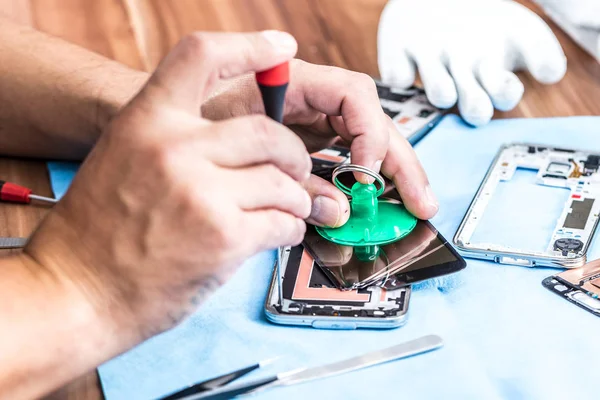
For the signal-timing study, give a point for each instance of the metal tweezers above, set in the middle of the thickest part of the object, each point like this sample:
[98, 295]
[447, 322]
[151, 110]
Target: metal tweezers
[218, 388]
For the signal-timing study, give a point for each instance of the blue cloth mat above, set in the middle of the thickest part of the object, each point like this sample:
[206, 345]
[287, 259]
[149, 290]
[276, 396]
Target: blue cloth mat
[506, 337]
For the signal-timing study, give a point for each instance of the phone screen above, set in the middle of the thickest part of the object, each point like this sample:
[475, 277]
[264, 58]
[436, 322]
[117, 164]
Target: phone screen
[422, 254]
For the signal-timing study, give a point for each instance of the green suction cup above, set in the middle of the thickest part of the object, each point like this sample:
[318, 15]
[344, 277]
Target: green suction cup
[372, 222]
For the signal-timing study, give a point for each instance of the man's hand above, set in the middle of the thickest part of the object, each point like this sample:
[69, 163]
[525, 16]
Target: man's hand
[168, 204]
[324, 104]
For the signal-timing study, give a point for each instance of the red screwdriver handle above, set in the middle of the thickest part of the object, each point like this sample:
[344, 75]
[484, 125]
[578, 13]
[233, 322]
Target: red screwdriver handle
[14, 193]
[276, 76]
[272, 84]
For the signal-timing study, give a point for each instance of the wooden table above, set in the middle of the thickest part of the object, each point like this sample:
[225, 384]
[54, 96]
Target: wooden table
[337, 32]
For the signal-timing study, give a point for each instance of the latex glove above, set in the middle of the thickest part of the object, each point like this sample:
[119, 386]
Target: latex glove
[465, 51]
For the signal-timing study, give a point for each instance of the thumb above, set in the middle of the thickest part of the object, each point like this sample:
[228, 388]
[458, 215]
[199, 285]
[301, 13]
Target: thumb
[186, 76]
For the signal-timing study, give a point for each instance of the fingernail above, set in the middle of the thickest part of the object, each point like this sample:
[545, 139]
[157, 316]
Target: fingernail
[377, 166]
[325, 211]
[431, 200]
[284, 42]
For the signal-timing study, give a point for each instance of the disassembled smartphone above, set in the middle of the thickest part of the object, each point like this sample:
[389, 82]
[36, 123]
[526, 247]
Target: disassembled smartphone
[410, 110]
[308, 298]
[573, 170]
[580, 286]
[422, 254]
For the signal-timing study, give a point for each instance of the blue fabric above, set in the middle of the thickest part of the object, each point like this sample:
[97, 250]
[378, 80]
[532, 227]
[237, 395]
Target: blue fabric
[506, 336]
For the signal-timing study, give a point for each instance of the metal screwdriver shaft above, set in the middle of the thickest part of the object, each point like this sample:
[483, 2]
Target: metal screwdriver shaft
[13, 193]
[43, 198]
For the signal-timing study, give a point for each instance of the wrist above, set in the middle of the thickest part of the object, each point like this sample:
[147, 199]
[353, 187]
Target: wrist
[110, 98]
[56, 334]
[65, 256]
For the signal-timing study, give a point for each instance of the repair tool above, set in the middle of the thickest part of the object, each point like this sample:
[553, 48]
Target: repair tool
[372, 222]
[218, 381]
[12, 242]
[273, 83]
[403, 350]
[18, 194]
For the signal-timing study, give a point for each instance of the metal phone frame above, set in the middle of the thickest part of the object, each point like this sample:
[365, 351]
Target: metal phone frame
[533, 260]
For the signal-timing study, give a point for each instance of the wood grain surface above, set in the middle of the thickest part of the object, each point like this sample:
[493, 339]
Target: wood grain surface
[139, 33]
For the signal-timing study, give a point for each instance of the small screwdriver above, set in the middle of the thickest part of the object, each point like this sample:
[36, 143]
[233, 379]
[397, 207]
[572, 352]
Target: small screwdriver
[273, 83]
[18, 194]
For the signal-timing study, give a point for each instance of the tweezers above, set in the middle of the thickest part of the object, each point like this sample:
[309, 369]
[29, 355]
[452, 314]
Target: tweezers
[218, 388]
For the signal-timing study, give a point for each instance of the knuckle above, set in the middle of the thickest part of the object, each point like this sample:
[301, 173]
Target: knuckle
[364, 81]
[260, 124]
[161, 156]
[198, 45]
[261, 128]
[224, 238]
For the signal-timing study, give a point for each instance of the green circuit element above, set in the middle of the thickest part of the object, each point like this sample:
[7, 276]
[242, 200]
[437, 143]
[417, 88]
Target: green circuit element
[372, 222]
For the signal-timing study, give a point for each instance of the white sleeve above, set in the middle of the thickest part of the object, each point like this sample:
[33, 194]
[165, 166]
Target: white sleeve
[580, 19]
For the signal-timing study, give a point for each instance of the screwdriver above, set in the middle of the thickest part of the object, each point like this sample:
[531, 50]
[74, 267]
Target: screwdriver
[272, 84]
[18, 194]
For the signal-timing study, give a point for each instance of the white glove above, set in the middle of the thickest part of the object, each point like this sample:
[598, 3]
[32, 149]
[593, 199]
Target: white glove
[578, 18]
[465, 50]
[583, 13]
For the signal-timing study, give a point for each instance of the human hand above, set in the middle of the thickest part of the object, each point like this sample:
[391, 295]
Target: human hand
[466, 50]
[169, 204]
[324, 104]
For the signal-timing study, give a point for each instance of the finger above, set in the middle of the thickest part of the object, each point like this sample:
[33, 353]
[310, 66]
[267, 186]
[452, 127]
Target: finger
[474, 104]
[272, 228]
[266, 187]
[256, 139]
[404, 169]
[503, 87]
[539, 50]
[330, 206]
[353, 96]
[438, 83]
[395, 67]
[188, 73]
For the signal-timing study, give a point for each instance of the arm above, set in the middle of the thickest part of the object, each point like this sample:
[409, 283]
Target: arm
[91, 283]
[55, 97]
[51, 332]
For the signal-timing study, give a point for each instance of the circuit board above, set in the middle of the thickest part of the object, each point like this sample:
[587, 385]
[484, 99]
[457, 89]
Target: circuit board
[580, 286]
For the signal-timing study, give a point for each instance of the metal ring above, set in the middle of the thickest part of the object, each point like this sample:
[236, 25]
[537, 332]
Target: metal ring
[356, 168]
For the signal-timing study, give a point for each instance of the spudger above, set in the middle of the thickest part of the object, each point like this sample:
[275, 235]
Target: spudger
[14, 193]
